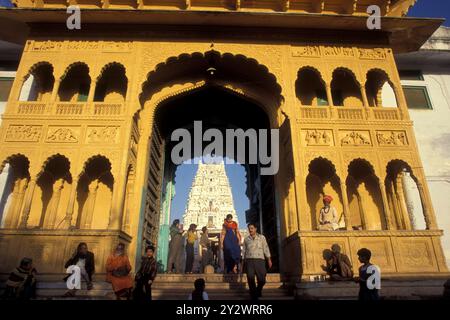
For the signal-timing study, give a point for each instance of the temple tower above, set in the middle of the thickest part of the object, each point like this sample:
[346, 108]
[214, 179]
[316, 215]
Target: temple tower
[210, 198]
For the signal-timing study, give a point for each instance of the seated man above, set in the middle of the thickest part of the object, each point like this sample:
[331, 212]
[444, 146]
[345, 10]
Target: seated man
[328, 217]
[338, 265]
[84, 259]
[21, 283]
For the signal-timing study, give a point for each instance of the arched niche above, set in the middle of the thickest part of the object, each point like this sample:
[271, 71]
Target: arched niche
[50, 197]
[323, 180]
[364, 196]
[112, 84]
[94, 194]
[345, 89]
[75, 83]
[14, 177]
[310, 88]
[379, 89]
[38, 83]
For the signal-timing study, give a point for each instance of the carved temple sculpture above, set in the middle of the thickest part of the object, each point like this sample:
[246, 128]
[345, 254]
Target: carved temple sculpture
[84, 140]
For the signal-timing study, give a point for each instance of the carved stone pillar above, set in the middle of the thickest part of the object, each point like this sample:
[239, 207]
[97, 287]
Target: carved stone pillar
[387, 211]
[362, 89]
[27, 202]
[401, 198]
[329, 96]
[70, 205]
[88, 213]
[129, 197]
[117, 204]
[50, 219]
[13, 214]
[55, 90]
[346, 206]
[91, 93]
[426, 205]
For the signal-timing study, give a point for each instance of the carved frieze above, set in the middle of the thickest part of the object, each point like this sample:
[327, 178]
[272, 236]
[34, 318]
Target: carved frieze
[108, 134]
[336, 51]
[355, 138]
[339, 51]
[306, 51]
[392, 138]
[375, 54]
[318, 137]
[83, 45]
[63, 134]
[117, 46]
[46, 45]
[23, 133]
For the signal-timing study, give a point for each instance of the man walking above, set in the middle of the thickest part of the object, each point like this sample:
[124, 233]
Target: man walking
[255, 253]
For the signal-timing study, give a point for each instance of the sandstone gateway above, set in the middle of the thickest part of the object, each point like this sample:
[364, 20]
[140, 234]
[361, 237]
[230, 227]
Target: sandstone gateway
[87, 125]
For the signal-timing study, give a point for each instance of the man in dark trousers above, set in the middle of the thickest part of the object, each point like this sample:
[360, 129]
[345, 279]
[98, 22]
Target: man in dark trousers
[255, 253]
[145, 276]
[84, 259]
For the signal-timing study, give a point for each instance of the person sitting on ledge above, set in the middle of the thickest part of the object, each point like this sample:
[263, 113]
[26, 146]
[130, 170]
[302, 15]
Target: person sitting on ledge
[338, 265]
[21, 283]
[328, 217]
[85, 260]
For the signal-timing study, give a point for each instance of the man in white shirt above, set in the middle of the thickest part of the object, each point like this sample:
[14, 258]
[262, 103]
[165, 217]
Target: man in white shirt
[255, 253]
[328, 217]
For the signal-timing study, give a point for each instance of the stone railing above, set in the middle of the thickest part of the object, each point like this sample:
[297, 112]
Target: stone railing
[69, 108]
[31, 107]
[349, 113]
[66, 108]
[107, 109]
[386, 114]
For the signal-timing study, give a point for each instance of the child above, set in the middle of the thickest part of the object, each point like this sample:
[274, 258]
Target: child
[199, 292]
[365, 293]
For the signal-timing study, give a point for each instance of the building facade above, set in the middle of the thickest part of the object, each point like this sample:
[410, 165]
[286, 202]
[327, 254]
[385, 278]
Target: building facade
[87, 125]
[425, 77]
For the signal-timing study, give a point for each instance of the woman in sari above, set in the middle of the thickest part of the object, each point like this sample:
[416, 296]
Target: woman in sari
[176, 245]
[118, 269]
[230, 241]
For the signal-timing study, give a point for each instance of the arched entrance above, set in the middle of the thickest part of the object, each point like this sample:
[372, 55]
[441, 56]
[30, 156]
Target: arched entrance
[223, 92]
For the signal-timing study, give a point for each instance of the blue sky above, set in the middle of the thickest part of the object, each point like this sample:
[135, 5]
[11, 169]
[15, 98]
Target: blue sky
[432, 9]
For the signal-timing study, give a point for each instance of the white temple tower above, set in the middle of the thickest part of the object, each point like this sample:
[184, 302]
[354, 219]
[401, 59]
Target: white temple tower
[210, 198]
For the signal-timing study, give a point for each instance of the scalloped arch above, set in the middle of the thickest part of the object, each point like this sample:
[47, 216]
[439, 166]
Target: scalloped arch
[207, 56]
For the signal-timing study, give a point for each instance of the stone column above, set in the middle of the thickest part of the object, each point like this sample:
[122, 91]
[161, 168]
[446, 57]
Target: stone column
[86, 219]
[70, 206]
[91, 91]
[129, 197]
[55, 90]
[426, 205]
[27, 202]
[13, 214]
[362, 89]
[49, 221]
[117, 203]
[387, 211]
[367, 108]
[346, 206]
[402, 199]
[329, 95]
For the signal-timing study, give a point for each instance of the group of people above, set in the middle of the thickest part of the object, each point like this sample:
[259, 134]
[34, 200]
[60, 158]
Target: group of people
[339, 268]
[182, 245]
[254, 259]
[118, 270]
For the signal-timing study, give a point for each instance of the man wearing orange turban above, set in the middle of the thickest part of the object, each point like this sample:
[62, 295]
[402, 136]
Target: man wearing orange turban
[328, 217]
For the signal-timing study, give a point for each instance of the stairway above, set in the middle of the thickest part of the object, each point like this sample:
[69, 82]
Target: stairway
[172, 287]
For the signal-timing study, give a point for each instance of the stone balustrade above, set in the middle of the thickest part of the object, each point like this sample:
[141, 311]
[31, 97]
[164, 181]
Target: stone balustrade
[68, 108]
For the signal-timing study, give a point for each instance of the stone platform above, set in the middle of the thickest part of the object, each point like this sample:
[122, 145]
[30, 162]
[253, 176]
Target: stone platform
[231, 287]
[391, 289]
